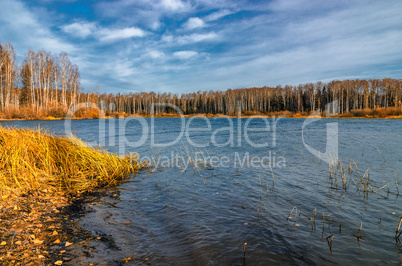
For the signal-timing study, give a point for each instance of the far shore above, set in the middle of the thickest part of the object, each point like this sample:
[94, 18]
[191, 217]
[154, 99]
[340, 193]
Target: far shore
[122, 116]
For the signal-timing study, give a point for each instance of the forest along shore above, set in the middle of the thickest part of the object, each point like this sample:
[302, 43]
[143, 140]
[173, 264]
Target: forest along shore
[44, 180]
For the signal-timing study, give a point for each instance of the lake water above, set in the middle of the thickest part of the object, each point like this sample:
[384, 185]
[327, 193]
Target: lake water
[200, 205]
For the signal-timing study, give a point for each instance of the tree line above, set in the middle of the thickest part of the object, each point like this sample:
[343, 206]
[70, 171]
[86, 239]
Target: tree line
[48, 85]
[43, 81]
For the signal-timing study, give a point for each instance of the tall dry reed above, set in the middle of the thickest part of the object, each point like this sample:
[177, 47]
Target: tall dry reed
[35, 160]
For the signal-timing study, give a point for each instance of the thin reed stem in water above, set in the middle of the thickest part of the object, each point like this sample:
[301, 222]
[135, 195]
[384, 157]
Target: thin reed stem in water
[381, 154]
[397, 233]
[329, 241]
[245, 249]
[289, 217]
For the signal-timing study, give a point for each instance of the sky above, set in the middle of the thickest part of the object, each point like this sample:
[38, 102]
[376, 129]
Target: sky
[182, 46]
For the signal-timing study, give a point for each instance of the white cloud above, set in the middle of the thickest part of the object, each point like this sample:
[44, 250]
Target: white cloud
[146, 13]
[167, 38]
[193, 23]
[197, 38]
[185, 54]
[24, 29]
[218, 14]
[155, 54]
[80, 29]
[155, 25]
[174, 4]
[118, 34]
[300, 5]
[85, 29]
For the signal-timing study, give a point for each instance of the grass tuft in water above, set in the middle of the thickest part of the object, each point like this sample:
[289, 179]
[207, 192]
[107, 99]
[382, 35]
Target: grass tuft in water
[33, 160]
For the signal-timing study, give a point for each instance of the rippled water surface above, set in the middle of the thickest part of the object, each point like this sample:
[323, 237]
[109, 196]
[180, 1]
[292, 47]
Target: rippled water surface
[183, 212]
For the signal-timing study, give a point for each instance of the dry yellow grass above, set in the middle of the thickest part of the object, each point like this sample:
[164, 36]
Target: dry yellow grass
[33, 160]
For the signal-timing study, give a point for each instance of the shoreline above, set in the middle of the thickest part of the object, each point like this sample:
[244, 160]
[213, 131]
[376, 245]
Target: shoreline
[206, 116]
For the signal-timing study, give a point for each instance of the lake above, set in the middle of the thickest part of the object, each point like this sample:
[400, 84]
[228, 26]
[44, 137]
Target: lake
[295, 190]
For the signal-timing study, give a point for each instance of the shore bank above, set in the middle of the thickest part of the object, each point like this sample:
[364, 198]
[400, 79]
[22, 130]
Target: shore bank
[43, 182]
[296, 116]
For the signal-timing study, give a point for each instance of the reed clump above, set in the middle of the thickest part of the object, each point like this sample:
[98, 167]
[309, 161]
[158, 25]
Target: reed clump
[375, 113]
[89, 113]
[33, 160]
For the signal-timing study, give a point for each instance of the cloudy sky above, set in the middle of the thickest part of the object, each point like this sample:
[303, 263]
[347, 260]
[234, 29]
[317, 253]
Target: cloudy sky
[189, 45]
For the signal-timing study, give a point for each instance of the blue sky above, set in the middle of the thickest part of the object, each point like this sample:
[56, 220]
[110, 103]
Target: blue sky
[189, 45]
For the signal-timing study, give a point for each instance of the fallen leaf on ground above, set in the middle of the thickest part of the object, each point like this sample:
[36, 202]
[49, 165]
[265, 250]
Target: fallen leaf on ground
[18, 242]
[57, 241]
[59, 262]
[68, 244]
[55, 233]
[3, 243]
[41, 257]
[37, 242]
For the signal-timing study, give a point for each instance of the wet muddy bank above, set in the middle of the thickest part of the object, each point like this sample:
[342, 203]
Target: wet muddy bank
[102, 246]
[44, 229]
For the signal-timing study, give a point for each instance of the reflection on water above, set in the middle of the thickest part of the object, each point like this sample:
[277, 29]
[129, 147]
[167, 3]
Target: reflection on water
[205, 212]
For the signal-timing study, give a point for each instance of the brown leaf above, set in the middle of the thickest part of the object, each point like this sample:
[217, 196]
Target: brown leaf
[57, 241]
[68, 244]
[55, 233]
[37, 242]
